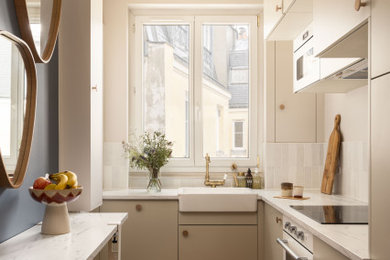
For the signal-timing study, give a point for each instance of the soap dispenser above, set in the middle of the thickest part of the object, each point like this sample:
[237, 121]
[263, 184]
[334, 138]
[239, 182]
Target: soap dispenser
[249, 178]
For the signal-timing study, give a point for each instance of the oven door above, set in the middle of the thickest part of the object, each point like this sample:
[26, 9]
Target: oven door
[292, 249]
[306, 67]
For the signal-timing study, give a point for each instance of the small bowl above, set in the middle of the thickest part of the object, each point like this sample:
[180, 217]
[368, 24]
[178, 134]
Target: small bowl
[55, 196]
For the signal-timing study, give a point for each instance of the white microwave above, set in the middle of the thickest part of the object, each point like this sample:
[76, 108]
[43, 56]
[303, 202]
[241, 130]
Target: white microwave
[306, 67]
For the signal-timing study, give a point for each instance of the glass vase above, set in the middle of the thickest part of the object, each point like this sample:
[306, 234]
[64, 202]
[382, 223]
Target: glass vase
[154, 184]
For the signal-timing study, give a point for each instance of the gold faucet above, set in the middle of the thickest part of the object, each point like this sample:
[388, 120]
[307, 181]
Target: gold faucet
[207, 181]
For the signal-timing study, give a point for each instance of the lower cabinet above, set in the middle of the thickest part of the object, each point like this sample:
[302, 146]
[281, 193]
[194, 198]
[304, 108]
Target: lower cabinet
[213, 242]
[150, 232]
[273, 229]
[218, 236]
[323, 251]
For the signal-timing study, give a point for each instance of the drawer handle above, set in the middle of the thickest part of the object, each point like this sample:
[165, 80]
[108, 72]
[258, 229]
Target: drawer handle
[185, 233]
[277, 8]
[278, 220]
[138, 207]
[282, 106]
[358, 4]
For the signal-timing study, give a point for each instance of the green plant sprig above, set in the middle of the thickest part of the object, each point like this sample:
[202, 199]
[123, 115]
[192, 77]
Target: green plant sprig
[151, 151]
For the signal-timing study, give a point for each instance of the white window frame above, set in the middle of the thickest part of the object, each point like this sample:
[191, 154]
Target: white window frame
[196, 161]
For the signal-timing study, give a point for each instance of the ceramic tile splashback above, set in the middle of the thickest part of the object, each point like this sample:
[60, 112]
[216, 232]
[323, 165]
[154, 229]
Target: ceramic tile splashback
[303, 164]
[300, 164]
[115, 166]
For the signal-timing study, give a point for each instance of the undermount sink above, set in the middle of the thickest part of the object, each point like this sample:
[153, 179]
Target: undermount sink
[219, 199]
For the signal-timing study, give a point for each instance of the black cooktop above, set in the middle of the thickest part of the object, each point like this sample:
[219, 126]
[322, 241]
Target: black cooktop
[335, 214]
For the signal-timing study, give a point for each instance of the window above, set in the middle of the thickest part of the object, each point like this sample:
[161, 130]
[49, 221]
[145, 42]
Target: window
[238, 134]
[195, 80]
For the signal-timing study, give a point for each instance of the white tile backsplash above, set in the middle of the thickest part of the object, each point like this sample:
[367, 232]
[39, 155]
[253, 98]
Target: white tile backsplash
[303, 164]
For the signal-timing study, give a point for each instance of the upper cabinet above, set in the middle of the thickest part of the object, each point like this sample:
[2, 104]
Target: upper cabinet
[380, 38]
[284, 19]
[273, 11]
[334, 22]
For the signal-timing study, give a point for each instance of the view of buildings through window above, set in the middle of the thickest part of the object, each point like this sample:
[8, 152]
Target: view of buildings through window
[167, 98]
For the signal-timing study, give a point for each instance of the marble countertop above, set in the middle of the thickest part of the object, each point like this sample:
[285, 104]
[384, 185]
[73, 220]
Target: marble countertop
[89, 233]
[350, 240]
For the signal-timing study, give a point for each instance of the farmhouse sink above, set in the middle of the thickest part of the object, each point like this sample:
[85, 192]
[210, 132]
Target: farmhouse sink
[217, 200]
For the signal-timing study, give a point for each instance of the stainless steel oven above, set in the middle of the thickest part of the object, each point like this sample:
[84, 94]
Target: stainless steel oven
[296, 242]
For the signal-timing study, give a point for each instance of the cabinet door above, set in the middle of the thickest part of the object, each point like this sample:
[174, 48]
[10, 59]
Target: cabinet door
[286, 5]
[213, 242]
[333, 19]
[273, 11]
[273, 229]
[380, 168]
[295, 115]
[380, 37]
[323, 251]
[150, 232]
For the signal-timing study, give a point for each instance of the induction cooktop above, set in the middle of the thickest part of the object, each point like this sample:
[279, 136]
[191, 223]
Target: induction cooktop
[335, 214]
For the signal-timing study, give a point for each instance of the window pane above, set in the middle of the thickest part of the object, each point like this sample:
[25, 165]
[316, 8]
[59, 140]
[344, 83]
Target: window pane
[166, 83]
[225, 86]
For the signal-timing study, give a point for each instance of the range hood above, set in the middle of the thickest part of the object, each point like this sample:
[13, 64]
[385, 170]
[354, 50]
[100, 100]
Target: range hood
[352, 74]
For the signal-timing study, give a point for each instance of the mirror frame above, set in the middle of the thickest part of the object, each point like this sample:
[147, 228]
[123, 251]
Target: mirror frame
[25, 29]
[29, 117]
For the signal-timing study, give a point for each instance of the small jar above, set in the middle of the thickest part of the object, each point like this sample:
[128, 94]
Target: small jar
[241, 180]
[298, 191]
[287, 189]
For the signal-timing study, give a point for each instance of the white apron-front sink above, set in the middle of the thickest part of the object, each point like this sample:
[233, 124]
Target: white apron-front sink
[218, 199]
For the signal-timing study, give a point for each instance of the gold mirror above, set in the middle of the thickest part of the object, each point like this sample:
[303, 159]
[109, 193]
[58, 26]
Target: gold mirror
[17, 108]
[39, 22]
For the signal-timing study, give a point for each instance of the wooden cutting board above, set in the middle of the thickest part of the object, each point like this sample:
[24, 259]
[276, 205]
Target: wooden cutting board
[332, 157]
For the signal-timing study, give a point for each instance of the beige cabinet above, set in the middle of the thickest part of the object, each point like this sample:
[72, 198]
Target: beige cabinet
[335, 19]
[273, 12]
[380, 37]
[211, 242]
[80, 98]
[273, 229]
[380, 168]
[323, 251]
[218, 235]
[290, 117]
[150, 233]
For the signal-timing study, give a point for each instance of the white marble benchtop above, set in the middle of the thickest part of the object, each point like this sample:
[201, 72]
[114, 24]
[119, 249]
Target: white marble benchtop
[350, 240]
[89, 233]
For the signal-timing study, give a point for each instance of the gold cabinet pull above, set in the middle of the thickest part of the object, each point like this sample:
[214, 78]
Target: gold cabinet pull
[358, 4]
[94, 87]
[277, 8]
[278, 220]
[282, 106]
[185, 233]
[138, 207]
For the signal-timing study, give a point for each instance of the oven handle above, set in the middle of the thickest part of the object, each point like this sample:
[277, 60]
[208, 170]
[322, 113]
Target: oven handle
[283, 243]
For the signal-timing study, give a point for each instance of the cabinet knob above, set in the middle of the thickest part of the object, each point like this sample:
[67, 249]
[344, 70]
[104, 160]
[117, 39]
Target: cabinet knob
[278, 220]
[277, 8]
[94, 87]
[138, 207]
[282, 106]
[185, 233]
[358, 4]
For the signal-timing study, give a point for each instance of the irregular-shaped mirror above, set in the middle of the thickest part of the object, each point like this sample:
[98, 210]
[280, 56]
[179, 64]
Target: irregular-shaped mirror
[17, 108]
[39, 22]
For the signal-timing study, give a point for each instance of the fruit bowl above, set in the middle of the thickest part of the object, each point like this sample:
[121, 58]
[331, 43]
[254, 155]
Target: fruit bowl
[56, 218]
[56, 196]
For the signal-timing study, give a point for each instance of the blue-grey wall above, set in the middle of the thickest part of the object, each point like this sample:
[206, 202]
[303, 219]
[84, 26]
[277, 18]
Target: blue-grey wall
[18, 211]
